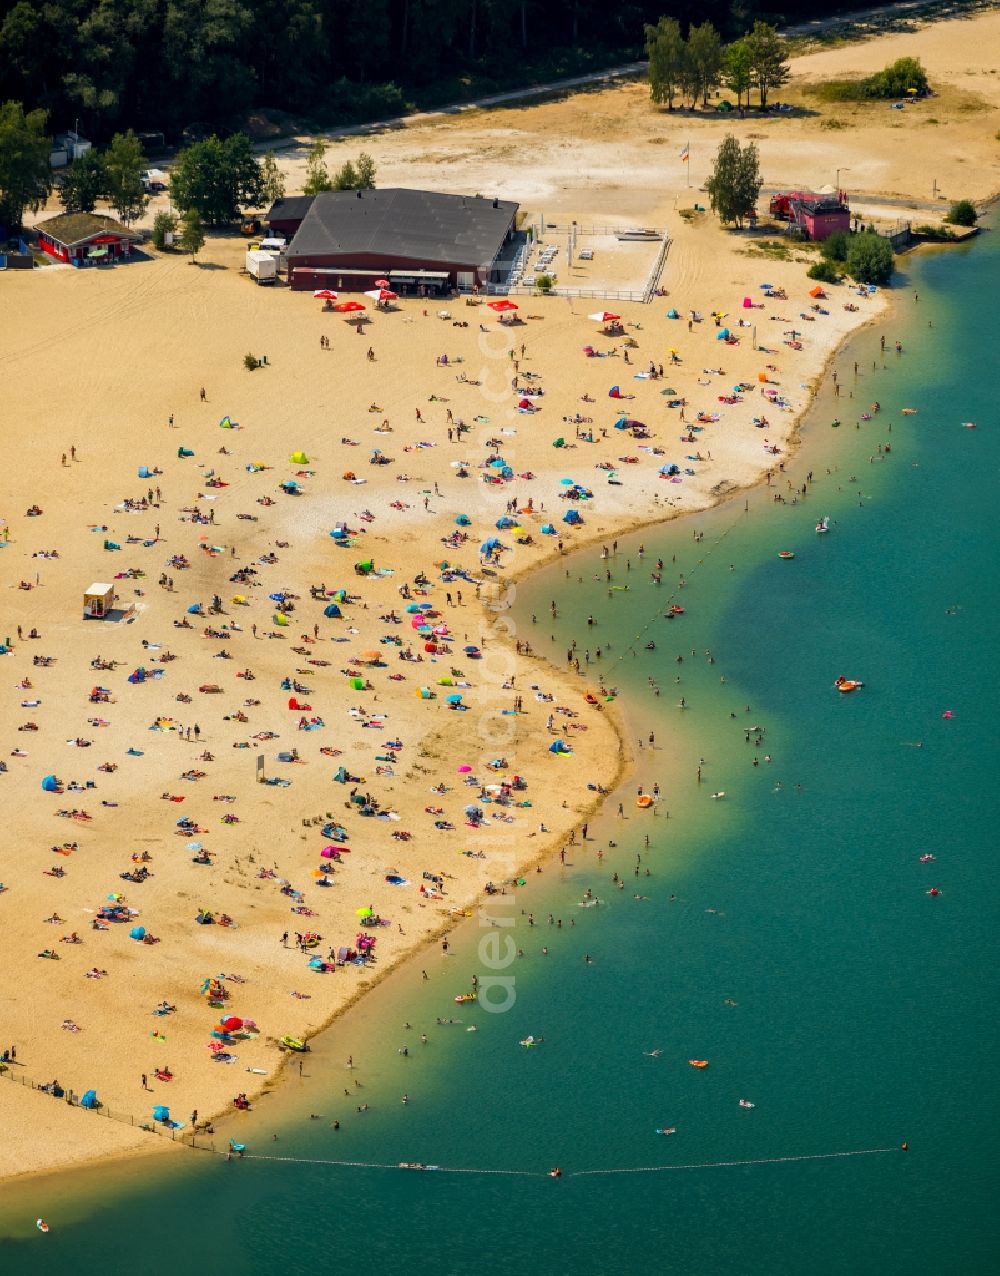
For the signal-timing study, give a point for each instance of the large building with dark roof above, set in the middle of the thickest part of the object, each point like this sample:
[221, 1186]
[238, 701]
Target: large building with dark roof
[424, 243]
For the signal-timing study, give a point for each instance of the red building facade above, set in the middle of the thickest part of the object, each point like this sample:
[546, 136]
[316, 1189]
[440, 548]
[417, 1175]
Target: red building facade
[85, 239]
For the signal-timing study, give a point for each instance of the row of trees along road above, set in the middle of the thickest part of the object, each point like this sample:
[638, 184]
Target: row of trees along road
[694, 67]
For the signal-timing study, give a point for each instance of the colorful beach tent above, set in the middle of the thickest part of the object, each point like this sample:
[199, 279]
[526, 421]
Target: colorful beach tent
[332, 611]
[50, 784]
[299, 458]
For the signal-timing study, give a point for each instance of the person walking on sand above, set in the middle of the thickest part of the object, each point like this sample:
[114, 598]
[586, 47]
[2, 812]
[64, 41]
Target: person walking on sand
[203, 395]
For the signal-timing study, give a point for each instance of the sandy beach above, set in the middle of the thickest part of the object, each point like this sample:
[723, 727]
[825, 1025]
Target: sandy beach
[250, 633]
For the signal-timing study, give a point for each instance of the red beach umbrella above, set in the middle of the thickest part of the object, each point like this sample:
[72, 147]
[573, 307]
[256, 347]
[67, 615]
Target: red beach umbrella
[604, 316]
[324, 294]
[503, 306]
[349, 307]
[382, 283]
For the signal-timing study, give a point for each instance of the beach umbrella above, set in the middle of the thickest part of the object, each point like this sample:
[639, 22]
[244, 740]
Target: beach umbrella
[349, 307]
[232, 1024]
[453, 699]
[324, 294]
[502, 307]
[382, 294]
[382, 283]
[604, 316]
[364, 912]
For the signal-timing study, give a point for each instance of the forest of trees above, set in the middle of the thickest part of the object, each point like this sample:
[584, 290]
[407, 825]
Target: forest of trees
[166, 65]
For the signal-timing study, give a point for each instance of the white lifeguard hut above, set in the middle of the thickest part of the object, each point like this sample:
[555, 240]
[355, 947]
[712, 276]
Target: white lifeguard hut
[98, 601]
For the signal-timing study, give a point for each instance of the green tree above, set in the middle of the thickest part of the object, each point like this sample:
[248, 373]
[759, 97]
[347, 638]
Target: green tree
[83, 183]
[317, 173]
[218, 179]
[737, 70]
[963, 213]
[870, 258]
[345, 178]
[25, 174]
[192, 237]
[704, 55]
[767, 59]
[835, 246]
[272, 179]
[824, 270]
[735, 183]
[897, 79]
[164, 224]
[124, 164]
[364, 170]
[667, 54]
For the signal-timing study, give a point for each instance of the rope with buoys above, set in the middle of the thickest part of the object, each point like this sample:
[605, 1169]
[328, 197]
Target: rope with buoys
[570, 1174]
[670, 598]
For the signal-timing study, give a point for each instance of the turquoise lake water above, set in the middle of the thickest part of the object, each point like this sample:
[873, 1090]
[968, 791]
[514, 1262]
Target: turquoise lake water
[863, 1012]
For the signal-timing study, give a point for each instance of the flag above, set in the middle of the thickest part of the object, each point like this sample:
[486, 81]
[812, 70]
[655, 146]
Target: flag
[685, 156]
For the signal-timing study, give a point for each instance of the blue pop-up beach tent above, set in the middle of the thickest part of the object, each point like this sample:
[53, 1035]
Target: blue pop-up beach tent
[332, 611]
[50, 784]
[90, 1100]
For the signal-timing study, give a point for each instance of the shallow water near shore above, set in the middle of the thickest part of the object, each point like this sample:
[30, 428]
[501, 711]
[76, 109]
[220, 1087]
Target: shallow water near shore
[862, 1018]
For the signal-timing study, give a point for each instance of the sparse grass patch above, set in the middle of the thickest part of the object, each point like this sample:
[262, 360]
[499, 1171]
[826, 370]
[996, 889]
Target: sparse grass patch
[771, 249]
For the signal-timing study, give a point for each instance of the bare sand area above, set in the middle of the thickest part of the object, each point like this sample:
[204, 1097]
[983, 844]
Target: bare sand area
[609, 153]
[105, 369]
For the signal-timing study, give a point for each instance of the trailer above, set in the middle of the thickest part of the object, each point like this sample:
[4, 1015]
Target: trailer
[781, 204]
[261, 267]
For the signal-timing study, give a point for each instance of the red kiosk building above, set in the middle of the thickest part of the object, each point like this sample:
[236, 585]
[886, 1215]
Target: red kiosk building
[85, 239]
